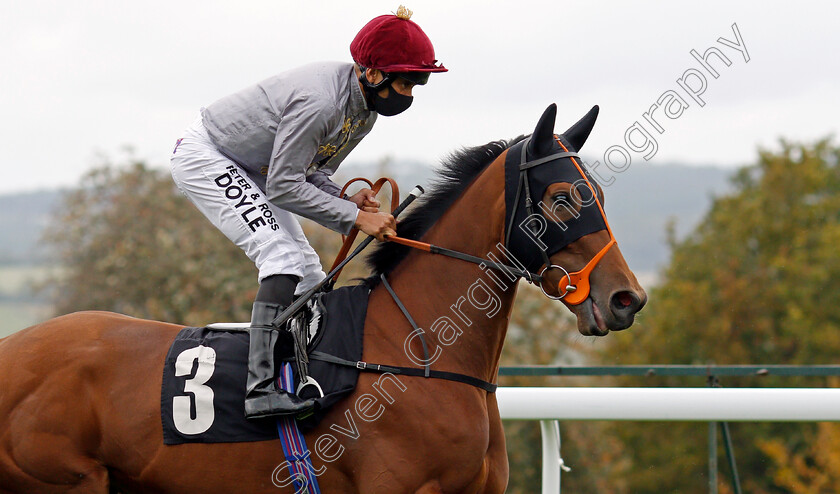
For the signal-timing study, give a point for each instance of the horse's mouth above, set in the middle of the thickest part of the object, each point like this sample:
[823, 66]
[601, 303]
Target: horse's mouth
[590, 319]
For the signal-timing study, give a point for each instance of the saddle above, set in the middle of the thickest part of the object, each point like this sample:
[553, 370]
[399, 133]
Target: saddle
[203, 389]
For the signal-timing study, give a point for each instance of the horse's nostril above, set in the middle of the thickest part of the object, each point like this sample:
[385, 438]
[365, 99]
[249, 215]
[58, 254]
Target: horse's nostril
[624, 302]
[625, 299]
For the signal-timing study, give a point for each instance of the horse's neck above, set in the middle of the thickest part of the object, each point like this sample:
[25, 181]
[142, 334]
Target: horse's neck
[463, 310]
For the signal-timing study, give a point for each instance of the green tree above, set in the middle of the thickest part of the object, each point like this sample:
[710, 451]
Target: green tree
[813, 469]
[755, 283]
[128, 242]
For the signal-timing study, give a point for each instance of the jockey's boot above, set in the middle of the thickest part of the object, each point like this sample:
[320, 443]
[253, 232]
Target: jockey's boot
[263, 398]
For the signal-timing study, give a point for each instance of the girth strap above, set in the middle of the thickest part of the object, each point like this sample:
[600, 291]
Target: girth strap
[406, 371]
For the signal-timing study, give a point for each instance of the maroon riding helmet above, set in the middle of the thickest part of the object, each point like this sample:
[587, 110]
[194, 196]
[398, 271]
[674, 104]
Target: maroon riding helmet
[396, 45]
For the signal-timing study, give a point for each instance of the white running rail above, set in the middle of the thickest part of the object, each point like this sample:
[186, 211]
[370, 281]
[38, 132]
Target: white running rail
[659, 404]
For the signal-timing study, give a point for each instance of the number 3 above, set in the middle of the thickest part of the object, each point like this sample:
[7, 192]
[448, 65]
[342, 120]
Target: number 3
[203, 395]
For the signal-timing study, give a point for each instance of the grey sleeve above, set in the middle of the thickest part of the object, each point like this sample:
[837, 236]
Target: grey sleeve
[322, 181]
[304, 123]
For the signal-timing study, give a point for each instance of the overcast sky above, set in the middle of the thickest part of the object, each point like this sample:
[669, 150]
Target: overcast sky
[85, 77]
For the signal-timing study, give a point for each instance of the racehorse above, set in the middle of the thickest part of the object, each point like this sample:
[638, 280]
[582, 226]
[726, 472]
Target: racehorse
[80, 398]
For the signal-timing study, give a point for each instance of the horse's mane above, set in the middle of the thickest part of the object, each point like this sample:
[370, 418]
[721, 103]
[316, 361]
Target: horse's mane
[456, 173]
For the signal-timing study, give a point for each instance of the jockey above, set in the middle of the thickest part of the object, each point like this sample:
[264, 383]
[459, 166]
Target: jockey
[253, 158]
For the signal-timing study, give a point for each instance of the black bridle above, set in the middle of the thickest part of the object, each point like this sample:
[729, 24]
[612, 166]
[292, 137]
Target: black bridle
[525, 184]
[523, 198]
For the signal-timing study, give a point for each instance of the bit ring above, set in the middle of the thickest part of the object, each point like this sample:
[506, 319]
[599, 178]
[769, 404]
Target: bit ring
[569, 288]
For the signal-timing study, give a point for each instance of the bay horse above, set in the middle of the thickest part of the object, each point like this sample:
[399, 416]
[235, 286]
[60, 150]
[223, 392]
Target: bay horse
[80, 395]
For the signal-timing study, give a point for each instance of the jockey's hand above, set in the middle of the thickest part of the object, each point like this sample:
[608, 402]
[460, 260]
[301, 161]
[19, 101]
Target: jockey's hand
[379, 225]
[365, 200]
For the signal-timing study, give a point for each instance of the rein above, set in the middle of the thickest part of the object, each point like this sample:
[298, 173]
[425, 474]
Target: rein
[349, 239]
[434, 249]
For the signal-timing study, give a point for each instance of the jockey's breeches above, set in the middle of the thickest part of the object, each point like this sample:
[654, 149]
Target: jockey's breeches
[271, 237]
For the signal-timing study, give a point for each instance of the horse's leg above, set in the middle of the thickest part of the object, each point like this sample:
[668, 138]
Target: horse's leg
[49, 436]
[493, 475]
[496, 461]
[94, 480]
[50, 461]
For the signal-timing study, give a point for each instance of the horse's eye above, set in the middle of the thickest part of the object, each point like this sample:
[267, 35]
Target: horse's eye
[560, 197]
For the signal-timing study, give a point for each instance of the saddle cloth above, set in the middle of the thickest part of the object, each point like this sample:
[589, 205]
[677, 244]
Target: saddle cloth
[204, 374]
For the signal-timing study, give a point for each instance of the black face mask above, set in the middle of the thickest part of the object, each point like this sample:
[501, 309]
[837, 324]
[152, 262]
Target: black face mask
[394, 104]
[550, 234]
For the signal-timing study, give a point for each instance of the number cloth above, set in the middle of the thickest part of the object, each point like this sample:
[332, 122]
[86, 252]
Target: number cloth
[204, 400]
[204, 374]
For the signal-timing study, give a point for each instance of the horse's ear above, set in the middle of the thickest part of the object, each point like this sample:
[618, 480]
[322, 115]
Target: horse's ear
[577, 133]
[542, 140]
